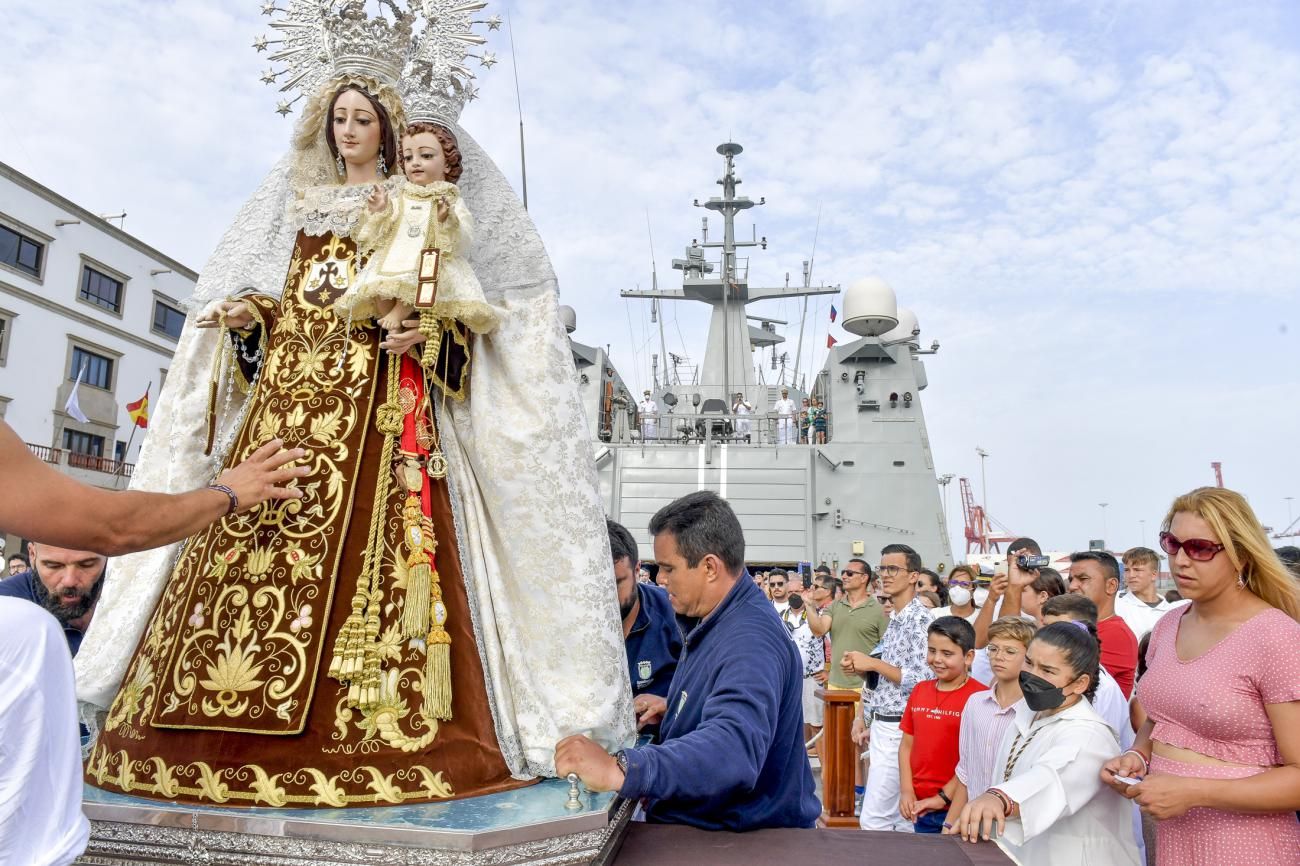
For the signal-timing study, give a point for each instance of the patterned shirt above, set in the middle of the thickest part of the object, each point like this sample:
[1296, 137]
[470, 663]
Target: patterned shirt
[903, 647]
[812, 649]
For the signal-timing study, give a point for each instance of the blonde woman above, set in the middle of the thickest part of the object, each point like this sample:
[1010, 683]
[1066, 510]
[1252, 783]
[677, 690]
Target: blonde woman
[1219, 758]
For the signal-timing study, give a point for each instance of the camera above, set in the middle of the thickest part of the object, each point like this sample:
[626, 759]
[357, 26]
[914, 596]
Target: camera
[1026, 562]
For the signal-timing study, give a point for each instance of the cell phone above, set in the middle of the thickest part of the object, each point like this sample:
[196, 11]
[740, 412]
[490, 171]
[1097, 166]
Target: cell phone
[1127, 780]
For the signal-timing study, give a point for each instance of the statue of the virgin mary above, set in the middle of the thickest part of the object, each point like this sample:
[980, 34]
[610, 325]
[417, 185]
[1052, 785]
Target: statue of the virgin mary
[438, 610]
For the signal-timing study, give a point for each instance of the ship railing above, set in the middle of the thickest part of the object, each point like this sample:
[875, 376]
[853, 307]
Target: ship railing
[683, 428]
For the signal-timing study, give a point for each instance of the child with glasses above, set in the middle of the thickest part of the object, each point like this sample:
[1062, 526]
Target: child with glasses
[989, 713]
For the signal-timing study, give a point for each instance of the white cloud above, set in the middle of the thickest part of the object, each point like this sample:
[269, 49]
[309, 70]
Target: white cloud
[1109, 189]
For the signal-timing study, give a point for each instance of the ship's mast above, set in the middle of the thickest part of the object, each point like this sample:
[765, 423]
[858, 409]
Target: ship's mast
[725, 287]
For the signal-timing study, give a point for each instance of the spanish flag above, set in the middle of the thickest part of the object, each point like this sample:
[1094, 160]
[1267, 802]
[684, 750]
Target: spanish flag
[139, 411]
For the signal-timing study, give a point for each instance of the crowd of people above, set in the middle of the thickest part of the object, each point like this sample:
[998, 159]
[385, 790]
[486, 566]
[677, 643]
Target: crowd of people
[1070, 717]
[1056, 714]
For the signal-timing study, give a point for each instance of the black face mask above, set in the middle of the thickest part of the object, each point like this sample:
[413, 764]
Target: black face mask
[1039, 693]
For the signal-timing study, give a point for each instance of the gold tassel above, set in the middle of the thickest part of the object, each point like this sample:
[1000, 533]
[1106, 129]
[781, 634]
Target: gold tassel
[420, 548]
[430, 327]
[437, 660]
[355, 662]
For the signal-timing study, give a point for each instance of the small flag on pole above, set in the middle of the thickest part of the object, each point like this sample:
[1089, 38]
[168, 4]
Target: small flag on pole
[834, 312]
[72, 407]
[139, 411]
[830, 341]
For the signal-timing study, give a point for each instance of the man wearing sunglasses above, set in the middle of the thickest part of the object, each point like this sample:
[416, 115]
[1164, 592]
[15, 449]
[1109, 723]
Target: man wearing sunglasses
[1095, 574]
[856, 622]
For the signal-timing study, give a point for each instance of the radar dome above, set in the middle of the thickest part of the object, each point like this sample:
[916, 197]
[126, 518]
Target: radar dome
[568, 318]
[907, 324]
[870, 307]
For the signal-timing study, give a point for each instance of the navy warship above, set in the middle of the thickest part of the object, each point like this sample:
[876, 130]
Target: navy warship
[823, 493]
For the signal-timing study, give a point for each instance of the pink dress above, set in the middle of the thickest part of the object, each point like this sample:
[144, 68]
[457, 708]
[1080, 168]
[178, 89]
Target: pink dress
[1214, 705]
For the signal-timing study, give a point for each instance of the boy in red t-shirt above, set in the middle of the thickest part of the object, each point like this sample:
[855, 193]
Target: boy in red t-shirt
[931, 726]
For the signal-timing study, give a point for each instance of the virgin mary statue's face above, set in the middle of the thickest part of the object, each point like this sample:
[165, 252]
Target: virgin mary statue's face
[357, 130]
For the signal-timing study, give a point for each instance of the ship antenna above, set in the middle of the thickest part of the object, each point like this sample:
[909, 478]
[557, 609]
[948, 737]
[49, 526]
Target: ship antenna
[654, 302]
[807, 283]
[519, 106]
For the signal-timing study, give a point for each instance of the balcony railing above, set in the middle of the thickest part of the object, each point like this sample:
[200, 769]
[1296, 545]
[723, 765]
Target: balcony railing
[60, 457]
[673, 428]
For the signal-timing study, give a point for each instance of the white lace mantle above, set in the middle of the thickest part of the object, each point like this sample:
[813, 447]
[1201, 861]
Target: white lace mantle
[534, 546]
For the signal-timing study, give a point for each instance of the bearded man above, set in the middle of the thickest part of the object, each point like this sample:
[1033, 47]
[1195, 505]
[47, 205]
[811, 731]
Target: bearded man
[65, 582]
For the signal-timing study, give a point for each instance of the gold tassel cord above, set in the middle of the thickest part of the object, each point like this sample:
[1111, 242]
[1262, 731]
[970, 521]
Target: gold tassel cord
[437, 656]
[355, 662]
[431, 328]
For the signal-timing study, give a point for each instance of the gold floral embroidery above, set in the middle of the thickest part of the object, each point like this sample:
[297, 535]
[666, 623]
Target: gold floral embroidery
[251, 784]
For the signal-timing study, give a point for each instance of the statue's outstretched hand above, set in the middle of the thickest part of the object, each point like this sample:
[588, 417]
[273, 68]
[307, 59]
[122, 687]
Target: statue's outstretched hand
[378, 199]
[232, 314]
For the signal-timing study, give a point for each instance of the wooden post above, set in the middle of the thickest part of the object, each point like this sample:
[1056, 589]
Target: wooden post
[841, 757]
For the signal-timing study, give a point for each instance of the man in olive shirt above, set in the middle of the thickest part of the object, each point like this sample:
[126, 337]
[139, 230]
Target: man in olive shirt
[856, 622]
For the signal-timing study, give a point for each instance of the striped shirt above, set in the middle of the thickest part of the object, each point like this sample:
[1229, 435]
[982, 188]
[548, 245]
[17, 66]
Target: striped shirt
[983, 724]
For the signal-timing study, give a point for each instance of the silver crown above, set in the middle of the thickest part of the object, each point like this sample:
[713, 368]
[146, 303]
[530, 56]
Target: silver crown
[322, 39]
[438, 83]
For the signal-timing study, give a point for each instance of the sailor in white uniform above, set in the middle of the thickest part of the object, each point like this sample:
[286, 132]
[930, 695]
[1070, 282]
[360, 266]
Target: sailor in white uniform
[784, 409]
[740, 406]
[649, 417]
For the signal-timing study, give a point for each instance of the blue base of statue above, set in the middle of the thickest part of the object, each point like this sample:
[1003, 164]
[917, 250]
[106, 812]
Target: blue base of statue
[540, 823]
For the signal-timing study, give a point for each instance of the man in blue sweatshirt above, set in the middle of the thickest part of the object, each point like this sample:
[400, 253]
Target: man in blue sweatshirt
[731, 755]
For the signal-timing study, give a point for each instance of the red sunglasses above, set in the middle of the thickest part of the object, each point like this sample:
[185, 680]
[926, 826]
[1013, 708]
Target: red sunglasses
[1199, 549]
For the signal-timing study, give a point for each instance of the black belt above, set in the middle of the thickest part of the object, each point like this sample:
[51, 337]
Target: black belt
[882, 718]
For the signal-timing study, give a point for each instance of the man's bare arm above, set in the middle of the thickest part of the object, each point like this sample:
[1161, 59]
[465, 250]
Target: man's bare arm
[42, 504]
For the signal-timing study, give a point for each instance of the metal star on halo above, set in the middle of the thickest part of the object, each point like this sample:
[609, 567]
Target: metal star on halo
[260, 42]
[472, 92]
[268, 8]
[268, 77]
[488, 60]
[282, 108]
[494, 23]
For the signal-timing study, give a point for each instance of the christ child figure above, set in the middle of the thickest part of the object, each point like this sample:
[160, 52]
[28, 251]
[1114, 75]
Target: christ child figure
[396, 232]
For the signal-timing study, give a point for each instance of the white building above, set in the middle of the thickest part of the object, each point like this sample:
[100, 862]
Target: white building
[78, 293]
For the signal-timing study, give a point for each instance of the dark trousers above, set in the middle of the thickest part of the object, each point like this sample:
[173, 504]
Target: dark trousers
[931, 822]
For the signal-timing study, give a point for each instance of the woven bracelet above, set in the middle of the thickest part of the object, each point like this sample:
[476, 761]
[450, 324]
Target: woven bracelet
[234, 500]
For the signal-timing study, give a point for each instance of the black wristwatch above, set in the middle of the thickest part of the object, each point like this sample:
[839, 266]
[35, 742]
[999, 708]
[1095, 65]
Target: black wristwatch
[620, 758]
[947, 801]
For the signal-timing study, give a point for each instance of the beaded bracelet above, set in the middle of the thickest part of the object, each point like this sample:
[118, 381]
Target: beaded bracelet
[1004, 799]
[234, 500]
[1146, 762]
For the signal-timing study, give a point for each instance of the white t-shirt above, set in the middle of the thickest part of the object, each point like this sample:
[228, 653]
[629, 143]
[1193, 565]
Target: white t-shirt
[1138, 615]
[40, 777]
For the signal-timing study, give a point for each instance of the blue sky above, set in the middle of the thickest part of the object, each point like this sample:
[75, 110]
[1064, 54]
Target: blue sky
[1094, 207]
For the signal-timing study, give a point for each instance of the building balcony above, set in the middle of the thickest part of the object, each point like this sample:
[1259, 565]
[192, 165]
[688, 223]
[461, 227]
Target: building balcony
[89, 468]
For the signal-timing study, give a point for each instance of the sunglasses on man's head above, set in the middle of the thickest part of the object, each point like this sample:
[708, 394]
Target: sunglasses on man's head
[1199, 549]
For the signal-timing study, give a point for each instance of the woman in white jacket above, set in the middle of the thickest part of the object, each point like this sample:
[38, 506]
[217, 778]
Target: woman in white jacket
[1044, 806]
